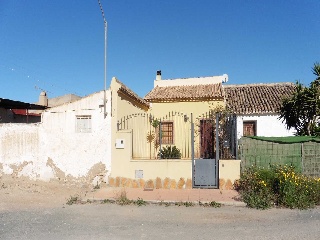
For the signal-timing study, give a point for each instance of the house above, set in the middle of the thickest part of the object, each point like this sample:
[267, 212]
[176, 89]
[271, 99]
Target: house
[57, 101]
[175, 112]
[72, 143]
[77, 137]
[181, 97]
[257, 108]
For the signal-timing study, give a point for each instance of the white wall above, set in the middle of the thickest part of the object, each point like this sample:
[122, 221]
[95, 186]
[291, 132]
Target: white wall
[52, 148]
[19, 145]
[267, 125]
[191, 81]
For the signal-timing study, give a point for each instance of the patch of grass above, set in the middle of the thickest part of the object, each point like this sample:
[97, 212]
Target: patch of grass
[140, 202]
[104, 201]
[187, 204]
[214, 204]
[73, 200]
[210, 204]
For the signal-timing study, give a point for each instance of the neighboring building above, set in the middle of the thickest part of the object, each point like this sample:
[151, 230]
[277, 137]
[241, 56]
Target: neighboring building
[257, 108]
[19, 112]
[78, 136]
[72, 143]
[57, 101]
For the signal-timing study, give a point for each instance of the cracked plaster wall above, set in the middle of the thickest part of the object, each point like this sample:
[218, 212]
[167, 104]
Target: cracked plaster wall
[54, 150]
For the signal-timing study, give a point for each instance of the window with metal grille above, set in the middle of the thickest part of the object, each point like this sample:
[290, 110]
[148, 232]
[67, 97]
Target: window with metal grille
[166, 133]
[83, 123]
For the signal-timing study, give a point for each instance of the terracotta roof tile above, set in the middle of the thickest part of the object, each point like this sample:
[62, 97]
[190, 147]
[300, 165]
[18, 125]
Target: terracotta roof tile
[124, 89]
[185, 92]
[257, 98]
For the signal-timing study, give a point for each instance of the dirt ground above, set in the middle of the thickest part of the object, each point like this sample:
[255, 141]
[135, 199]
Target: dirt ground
[38, 210]
[22, 193]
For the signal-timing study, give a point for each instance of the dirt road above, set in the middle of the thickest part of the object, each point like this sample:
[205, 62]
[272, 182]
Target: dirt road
[36, 210]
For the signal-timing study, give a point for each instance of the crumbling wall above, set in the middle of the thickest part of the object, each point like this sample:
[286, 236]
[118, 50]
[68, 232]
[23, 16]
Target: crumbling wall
[28, 150]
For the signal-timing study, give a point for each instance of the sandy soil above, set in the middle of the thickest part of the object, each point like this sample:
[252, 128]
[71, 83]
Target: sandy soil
[23, 193]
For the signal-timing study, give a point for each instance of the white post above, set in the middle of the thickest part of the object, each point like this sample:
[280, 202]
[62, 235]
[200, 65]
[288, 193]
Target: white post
[105, 60]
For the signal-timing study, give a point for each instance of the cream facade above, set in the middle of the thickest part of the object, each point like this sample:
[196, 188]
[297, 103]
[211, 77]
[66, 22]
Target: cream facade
[135, 142]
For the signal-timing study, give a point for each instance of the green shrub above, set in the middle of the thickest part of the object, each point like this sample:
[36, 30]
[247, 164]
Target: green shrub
[169, 152]
[278, 185]
[297, 190]
[254, 187]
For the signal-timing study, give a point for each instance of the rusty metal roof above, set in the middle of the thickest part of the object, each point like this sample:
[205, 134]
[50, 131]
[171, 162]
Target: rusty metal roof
[11, 104]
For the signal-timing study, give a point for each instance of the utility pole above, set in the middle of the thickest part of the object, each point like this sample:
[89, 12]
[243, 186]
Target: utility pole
[105, 59]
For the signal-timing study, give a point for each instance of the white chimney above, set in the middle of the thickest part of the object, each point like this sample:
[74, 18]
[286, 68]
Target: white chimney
[158, 75]
[225, 78]
[43, 99]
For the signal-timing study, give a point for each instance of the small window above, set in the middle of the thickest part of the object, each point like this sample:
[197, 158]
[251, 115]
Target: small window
[83, 124]
[166, 133]
[249, 128]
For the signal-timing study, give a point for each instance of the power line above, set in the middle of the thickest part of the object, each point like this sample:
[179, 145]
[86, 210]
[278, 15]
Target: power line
[33, 78]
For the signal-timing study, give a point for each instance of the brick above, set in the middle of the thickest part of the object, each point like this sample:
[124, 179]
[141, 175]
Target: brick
[229, 185]
[111, 181]
[141, 183]
[129, 183]
[173, 184]
[166, 183]
[123, 182]
[222, 183]
[135, 184]
[181, 183]
[158, 183]
[188, 184]
[149, 184]
[117, 182]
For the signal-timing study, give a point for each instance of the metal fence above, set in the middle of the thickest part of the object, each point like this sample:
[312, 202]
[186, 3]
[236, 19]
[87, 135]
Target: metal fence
[150, 133]
[304, 156]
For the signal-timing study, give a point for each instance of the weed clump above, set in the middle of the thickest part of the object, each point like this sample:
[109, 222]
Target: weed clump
[186, 204]
[140, 202]
[213, 204]
[73, 200]
[123, 200]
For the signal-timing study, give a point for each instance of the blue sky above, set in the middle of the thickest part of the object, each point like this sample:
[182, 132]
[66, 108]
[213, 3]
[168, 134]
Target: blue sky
[58, 46]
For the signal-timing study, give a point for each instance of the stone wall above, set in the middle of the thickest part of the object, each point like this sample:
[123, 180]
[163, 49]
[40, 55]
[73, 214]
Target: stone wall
[157, 183]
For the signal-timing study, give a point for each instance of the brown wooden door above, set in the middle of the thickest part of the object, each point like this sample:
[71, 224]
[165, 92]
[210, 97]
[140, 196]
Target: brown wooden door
[249, 128]
[206, 139]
